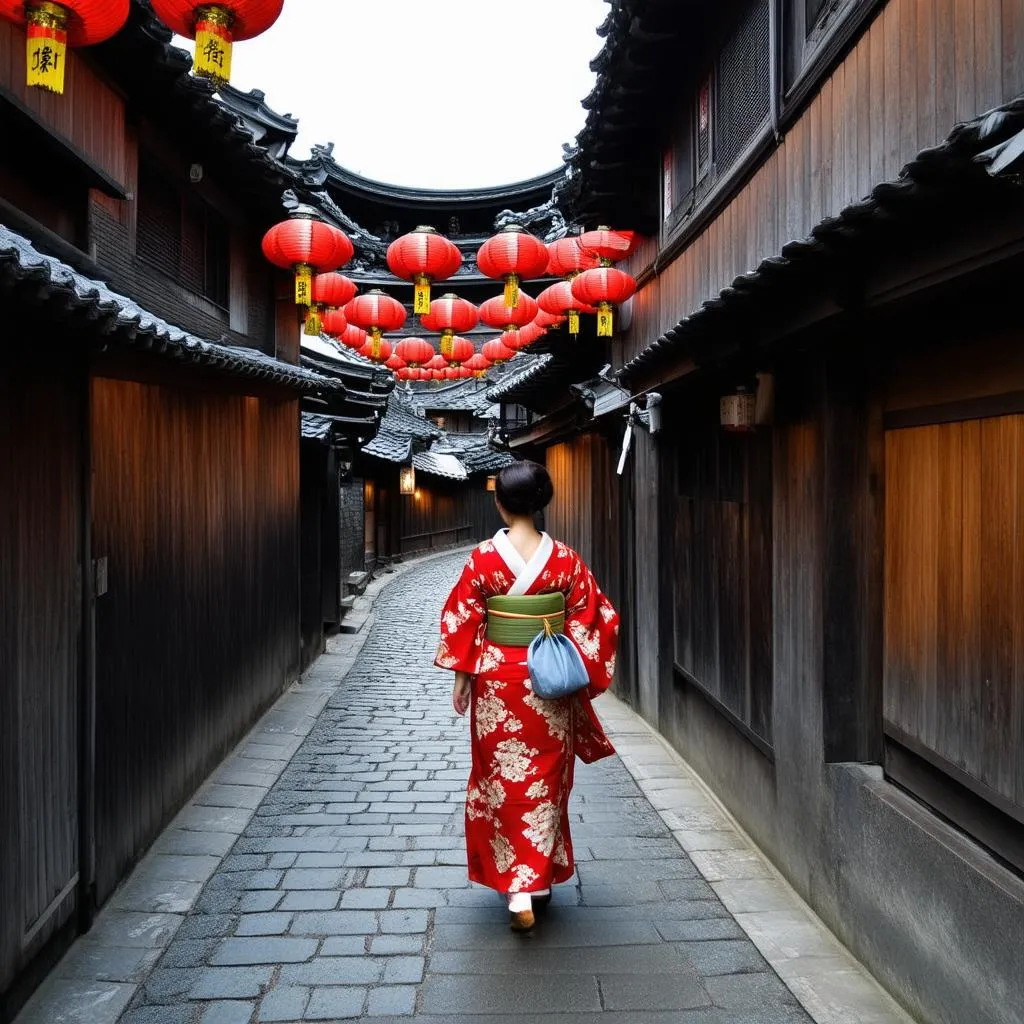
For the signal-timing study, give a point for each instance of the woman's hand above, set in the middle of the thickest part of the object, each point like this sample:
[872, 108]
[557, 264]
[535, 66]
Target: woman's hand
[461, 692]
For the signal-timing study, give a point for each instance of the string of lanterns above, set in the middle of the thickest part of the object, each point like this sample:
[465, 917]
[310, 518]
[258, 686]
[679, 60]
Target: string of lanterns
[315, 251]
[52, 26]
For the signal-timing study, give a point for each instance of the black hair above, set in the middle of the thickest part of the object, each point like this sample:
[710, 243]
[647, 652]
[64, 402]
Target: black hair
[524, 488]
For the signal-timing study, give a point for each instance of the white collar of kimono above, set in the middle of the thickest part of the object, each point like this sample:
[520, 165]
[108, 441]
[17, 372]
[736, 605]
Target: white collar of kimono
[526, 573]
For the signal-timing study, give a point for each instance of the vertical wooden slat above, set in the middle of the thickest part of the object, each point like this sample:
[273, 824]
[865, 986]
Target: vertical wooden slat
[988, 54]
[964, 58]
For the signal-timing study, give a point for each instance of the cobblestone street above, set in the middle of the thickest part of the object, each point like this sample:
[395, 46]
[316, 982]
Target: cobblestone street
[346, 895]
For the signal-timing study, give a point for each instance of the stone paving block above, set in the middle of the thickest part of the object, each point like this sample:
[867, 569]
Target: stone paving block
[313, 878]
[169, 984]
[387, 945]
[89, 959]
[448, 995]
[404, 970]
[337, 922]
[205, 926]
[391, 877]
[702, 929]
[77, 1001]
[234, 1012]
[183, 841]
[321, 860]
[344, 945]
[392, 1001]
[189, 953]
[263, 950]
[419, 898]
[230, 982]
[156, 896]
[334, 970]
[310, 899]
[440, 878]
[365, 899]
[265, 880]
[264, 924]
[225, 795]
[182, 1014]
[678, 991]
[748, 991]
[283, 1003]
[726, 956]
[335, 1003]
[403, 921]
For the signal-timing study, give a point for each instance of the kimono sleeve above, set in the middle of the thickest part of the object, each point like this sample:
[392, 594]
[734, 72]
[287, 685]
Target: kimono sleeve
[462, 622]
[593, 625]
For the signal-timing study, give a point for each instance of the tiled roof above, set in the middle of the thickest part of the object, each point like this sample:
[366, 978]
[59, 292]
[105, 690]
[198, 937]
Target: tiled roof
[526, 372]
[474, 452]
[58, 284]
[440, 464]
[989, 145]
[316, 428]
[464, 395]
[399, 430]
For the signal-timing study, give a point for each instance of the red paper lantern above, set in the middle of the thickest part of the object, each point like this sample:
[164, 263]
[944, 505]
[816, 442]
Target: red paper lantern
[328, 291]
[531, 333]
[558, 300]
[304, 244]
[462, 351]
[215, 27]
[546, 320]
[609, 246]
[496, 352]
[437, 363]
[378, 350]
[478, 365]
[375, 312]
[395, 363]
[50, 28]
[567, 258]
[604, 287]
[450, 315]
[333, 322]
[497, 313]
[423, 256]
[415, 351]
[512, 256]
[353, 337]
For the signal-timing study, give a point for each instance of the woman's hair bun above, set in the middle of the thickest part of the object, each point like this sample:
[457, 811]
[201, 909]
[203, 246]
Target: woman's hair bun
[524, 488]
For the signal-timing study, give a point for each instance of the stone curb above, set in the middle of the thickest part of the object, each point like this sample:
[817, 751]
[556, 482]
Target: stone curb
[99, 975]
[831, 985]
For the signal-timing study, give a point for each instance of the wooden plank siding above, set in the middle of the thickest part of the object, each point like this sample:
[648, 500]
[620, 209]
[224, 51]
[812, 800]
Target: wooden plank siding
[954, 595]
[41, 508]
[441, 514]
[921, 66]
[196, 508]
[90, 114]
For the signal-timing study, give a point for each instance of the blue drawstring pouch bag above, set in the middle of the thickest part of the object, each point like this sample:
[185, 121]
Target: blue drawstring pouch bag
[555, 666]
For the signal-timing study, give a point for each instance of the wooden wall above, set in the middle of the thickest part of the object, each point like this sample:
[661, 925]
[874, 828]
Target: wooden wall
[954, 596]
[196, 508]
[41, 509]
[442, 513]
[921, 67]
[90, 114]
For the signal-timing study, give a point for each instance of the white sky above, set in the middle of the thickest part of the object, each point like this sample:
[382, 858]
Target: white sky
[439, 94]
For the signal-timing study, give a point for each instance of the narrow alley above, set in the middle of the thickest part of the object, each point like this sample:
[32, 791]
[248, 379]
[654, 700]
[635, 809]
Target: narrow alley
[345, 894]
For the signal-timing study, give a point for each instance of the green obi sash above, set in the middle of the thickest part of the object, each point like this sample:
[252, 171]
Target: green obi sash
[515, 621]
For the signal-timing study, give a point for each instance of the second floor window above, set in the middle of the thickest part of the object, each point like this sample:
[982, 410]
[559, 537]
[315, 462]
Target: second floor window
[182, 236]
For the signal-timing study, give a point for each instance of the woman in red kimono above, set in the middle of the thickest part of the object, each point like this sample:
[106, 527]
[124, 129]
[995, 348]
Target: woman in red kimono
[524, 747]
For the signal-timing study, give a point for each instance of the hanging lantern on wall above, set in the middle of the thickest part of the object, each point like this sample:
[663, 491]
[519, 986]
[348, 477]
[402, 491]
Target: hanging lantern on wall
[407, 480]
[478, 365]
[375, 312]
[512, 256]
[496, 352]
[450, 315]
[415, 351]
[492, 483]
[50, 28]
[423, 256]
[604, 288]
[736, 411]
[215, 27]
[306, 245]
[329, 292]
[559, 301]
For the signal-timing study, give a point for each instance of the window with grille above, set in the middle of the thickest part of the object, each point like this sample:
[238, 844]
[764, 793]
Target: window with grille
[743, 86]
[182, 236]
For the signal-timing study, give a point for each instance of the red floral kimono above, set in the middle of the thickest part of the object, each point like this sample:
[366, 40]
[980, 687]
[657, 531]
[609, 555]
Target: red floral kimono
[524, 747]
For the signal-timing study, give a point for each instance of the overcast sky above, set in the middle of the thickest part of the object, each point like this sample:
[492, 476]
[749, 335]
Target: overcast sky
[444, 93]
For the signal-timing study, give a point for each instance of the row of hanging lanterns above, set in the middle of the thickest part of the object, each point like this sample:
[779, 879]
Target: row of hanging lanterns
[51, 27]
[314, 251]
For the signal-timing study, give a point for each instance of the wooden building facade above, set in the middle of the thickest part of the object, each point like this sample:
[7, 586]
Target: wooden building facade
[150, 525]
[823, 612]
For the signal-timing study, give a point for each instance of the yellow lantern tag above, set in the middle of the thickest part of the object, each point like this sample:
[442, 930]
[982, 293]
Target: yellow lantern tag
[314, 325]
[421, 301]
[574, 322]
[46, 46]
[446, 343]
[303, 284]
[605, 321]
[511, 291]
[213, 44]
[375, 335]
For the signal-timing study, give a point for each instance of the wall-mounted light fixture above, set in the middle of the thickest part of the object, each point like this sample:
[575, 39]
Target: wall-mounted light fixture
[492, 483]
[736, 410]
[407, 480]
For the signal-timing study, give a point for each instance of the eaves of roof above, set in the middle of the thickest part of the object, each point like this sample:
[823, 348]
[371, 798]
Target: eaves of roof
[963, 166]
[58, 288]
[440, 464]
